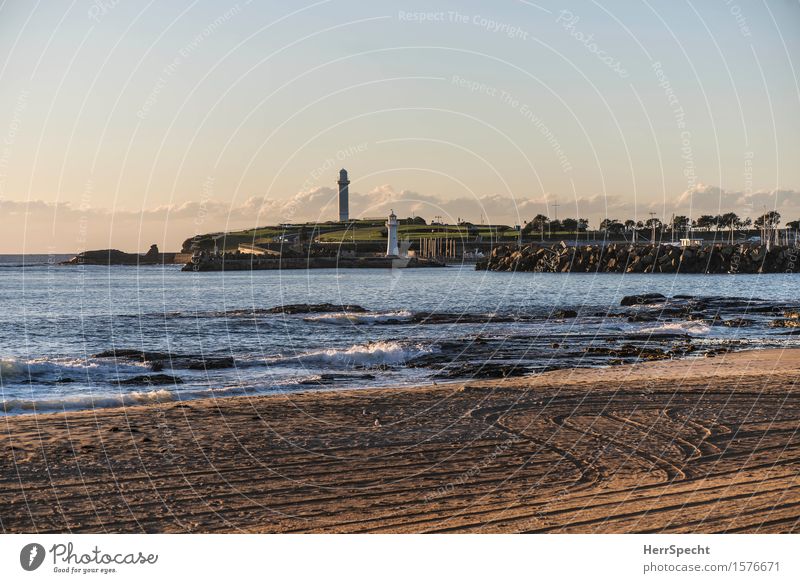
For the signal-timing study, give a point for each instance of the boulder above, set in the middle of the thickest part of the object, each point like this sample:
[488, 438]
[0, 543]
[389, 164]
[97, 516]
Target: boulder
[641, 299]
[563, 314]
[151, 379]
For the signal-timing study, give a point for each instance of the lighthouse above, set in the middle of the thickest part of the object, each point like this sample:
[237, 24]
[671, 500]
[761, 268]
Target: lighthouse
[391, 245]
[344, 195]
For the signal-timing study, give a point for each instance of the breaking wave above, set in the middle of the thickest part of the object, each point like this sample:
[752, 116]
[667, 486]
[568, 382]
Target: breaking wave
[58, 369]
[78, 402]
[680, 327]
[364, 355]
[344, 318]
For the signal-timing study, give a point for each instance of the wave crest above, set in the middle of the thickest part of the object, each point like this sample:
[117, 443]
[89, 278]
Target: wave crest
[86, 401]
[344, 318]
[365, 355]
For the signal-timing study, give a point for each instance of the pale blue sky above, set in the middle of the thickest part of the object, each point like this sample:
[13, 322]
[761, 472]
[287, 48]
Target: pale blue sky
[129, 106]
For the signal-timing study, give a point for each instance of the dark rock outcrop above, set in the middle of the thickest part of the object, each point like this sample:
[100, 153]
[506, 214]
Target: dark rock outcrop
[564, 314]
[160, 360]
[314, 308]
[117, 257]
[151, 379]
[641, 299]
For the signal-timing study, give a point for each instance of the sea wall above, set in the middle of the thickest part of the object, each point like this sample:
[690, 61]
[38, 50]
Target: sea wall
[628, 258]
[234, 262]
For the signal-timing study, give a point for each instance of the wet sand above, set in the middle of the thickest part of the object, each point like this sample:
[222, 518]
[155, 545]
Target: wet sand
[701, 445]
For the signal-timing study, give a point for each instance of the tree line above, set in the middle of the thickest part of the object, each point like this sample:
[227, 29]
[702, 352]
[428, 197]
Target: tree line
[678, 224]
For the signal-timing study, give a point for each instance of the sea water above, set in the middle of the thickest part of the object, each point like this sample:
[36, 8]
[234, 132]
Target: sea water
[54, 320]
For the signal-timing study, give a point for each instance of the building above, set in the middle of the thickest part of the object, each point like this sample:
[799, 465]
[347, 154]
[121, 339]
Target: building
[344, 196]
[392, 249]
[691, 242]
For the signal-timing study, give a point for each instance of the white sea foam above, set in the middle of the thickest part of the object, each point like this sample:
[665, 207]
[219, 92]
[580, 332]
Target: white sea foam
[680, 327]
[45, 369]
[344, 318]
[10, 368]
[366, 355]
[86, 401]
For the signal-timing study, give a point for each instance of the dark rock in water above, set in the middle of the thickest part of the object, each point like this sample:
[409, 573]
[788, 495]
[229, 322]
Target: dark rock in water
[486, 370]
[563, 314]
[450, 318]
[789, 323]
[132, 354]
[641, 299]
[629, 350]
[737, 323]
[696, 317]
[712, 352]
[330, 378]
[642, 317]
[202, 363]
[151, 379]
[314, 308]
[159, 360]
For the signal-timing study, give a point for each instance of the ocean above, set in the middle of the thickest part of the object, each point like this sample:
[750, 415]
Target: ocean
[72, 337]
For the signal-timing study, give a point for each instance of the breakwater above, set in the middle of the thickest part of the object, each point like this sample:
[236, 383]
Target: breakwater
[649, 258]
[243, 262]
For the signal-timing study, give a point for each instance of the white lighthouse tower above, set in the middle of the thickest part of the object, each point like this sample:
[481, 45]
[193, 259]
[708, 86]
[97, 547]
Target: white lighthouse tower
[392, 249]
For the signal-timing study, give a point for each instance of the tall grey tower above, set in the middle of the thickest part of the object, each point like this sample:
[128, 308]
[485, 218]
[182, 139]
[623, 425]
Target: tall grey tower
[344, 195]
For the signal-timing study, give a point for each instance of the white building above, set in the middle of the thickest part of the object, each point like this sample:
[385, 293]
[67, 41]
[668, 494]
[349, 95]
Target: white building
[392, 250]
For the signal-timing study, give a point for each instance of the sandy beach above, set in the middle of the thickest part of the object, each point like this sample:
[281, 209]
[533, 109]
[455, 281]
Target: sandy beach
[698, 445]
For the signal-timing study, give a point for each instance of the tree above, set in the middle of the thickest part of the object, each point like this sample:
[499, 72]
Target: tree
[729, 220]
[793, 225]
[538, 224]
[770, 219]
[412, 221]
[705, 222]
[680, 223]
[653, 223]
[630, 225]
[570, 224]
[606, 224]
[616, 228]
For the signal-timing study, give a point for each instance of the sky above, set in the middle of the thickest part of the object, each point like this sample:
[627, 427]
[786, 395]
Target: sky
[126, 123]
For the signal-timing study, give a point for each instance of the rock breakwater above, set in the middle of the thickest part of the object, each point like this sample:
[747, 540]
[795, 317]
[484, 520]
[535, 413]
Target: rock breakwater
[629, 258]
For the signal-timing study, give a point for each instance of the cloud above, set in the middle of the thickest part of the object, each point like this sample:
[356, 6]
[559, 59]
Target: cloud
[707, 199]
[39, 227]
[321, 205]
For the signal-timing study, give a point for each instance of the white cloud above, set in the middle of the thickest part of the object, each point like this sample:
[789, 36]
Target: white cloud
[706, 199]
[38, 226]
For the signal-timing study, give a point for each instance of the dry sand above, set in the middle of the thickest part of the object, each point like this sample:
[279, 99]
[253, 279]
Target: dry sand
[705, 445]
